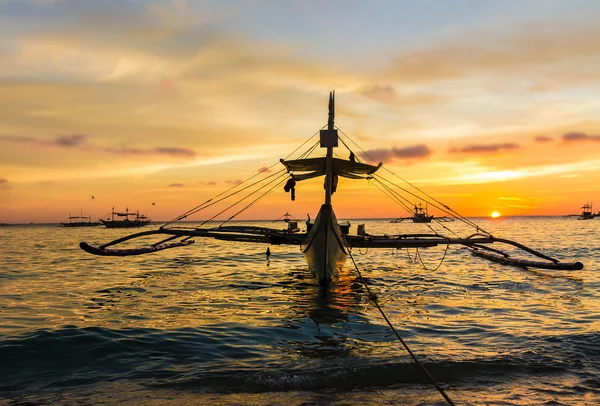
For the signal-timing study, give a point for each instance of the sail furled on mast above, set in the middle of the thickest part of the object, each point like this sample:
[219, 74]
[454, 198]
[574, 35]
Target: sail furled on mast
[309, 168]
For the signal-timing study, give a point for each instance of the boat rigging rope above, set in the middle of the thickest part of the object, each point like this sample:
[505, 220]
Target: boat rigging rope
[457, 216]
[373, 299]
[450, 211]
[253, 201]
[418, 255]
[391, 194]
[205, 204]
[244, 198]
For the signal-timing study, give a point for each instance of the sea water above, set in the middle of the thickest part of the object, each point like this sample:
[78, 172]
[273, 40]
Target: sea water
[216, 323]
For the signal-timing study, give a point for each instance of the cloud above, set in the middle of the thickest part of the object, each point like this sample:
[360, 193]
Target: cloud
[579, 137]
[387, 155]
[543, 138]
[389, 95]
[4, 184]
[71, 140]
[208, 183]
[565, 53]
[234, 182]
[485, 148]
[79, 140]
[176, 185]
[182, 152]
[379, 92]
[265, 170]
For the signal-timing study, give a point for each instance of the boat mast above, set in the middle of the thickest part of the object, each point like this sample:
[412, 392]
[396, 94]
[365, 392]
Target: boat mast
[329, 140]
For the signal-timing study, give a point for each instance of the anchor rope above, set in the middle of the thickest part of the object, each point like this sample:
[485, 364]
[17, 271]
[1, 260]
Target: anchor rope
[373, 299]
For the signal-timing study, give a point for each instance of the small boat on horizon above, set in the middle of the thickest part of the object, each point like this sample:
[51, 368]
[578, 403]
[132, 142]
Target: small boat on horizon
[420, 215]
[586, 213]
[80, 221]
[136, 220]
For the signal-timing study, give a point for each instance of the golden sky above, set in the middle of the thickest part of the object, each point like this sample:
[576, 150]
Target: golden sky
[487, 106]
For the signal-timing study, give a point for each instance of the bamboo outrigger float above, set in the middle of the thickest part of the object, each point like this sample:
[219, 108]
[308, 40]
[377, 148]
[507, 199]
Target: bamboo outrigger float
[325, 244]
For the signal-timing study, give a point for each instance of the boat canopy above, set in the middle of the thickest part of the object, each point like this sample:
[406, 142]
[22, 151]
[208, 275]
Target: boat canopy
[313, 167]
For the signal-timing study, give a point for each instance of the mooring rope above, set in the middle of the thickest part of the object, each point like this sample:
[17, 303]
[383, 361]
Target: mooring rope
[373, 298]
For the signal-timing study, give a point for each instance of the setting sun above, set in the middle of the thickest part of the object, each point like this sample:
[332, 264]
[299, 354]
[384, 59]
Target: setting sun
[495, 215]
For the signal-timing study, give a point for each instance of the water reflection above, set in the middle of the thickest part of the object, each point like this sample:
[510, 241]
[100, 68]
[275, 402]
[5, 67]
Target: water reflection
[323, 305]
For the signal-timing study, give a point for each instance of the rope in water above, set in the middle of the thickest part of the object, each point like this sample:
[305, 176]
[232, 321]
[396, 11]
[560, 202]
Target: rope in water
[373, 298]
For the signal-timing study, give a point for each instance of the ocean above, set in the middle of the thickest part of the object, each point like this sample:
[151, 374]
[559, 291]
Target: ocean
[215, 323]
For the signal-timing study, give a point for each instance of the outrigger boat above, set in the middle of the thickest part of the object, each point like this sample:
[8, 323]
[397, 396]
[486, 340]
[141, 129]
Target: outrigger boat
[137, 220]
[586, 213]
[80, 221]
[420, 215]
[325, 244]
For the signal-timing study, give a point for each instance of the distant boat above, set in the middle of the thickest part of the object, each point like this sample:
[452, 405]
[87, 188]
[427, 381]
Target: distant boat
[420, 215]
[80, 221]
[136, 220]
[586, 213]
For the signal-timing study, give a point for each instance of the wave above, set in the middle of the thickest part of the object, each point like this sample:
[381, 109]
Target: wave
[226, 358]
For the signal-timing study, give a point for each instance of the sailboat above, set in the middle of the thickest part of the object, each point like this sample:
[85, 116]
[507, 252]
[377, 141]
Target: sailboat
[325, 243]
[80, 221]
[136, 220]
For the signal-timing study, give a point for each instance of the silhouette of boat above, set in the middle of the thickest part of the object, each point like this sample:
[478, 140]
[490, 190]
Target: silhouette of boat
[325, 243]
[136, 220]
[80, 221]
[586, 213]
[420, 215]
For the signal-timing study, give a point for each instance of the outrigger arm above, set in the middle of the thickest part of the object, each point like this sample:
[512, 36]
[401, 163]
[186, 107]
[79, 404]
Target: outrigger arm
[477, 243]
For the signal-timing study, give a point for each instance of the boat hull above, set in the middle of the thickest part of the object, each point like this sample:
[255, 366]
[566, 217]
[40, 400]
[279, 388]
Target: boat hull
[422, 219]
[124, 223]
[325, 249]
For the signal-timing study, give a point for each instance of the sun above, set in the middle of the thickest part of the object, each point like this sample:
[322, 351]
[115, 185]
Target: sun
[495, 214]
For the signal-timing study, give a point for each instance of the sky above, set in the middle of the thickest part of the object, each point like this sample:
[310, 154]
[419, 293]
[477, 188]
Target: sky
[160, 105]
